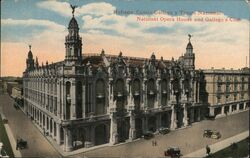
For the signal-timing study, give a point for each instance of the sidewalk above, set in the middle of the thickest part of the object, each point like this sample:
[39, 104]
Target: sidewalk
[12, 140]
[220, 145]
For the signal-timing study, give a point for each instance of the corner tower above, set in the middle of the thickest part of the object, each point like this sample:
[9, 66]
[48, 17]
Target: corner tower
[73, 42]
[189, 56]
[30, 61]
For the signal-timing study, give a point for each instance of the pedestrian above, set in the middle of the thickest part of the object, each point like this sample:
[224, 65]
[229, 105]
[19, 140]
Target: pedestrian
[155, 143]
[208, 150]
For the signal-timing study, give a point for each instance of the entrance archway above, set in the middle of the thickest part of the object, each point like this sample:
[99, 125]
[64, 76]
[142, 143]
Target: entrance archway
[123, 129]
[152, 123]
[180, 115]
[101, 134]
[138, 127]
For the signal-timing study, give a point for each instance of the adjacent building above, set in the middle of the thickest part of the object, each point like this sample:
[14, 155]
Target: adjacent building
[225, 91]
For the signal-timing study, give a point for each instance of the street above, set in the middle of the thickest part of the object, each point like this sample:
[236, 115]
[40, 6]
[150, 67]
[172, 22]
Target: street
[22, 127]
[188, 140]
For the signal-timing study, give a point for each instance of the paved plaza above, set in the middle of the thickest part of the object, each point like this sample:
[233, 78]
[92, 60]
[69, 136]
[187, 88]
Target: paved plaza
[189, 139]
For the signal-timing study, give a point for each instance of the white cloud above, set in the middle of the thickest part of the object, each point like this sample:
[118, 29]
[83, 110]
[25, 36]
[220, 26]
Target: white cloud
[62, 8]
[102, 8]
[34, 22]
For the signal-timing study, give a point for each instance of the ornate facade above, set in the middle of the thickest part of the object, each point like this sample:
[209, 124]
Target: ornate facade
[92, 99]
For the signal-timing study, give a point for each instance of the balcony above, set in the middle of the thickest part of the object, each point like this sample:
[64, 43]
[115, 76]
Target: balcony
[164, 92]
[136, 93]
[151, 92]
[100, 95]
[119, 94]
[68, 97]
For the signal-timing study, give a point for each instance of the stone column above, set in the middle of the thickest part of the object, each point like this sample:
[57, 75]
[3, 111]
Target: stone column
[113, 130]
[45, 119]
[211, 111]
[132, 131]
[63, 99]
[198, 92]
[111, 103]
[222, 110]
[73, 100]
[58, 134]
[230, 109]
[83, 100]
[68, 144]
[185, 118]
[46, 95]
[238, 107]
[129, 92]
[158, 94]
[144, 94]
[245, 106]
[58, 94]
[173, 118]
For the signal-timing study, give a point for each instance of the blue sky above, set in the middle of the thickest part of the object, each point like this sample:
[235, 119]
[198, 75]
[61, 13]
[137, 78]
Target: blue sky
[28, 9]
[44, 25]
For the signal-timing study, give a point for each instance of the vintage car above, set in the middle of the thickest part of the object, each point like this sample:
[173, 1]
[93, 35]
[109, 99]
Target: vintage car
[173, 152]
[207, 133]
[211, 134]
[148, 135]
[21, 144]
[216, 135]
[163, 130]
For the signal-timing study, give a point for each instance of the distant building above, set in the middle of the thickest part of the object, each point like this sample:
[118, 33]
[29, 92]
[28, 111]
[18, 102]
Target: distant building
[92, 99]
[17, 92]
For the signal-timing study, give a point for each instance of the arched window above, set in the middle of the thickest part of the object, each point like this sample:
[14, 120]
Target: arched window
[100, 97]
[151, 93]
[68, 99]
[164, 92]
[136, 88]
[79, 99]
[119, 88]
[119, 94]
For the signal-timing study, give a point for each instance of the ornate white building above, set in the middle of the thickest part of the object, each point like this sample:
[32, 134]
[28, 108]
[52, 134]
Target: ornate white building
[92, 99]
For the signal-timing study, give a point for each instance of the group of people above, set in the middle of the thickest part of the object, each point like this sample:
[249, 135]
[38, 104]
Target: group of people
[154, 143]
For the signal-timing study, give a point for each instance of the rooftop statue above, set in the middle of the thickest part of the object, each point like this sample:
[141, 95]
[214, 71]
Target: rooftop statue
[73, 8]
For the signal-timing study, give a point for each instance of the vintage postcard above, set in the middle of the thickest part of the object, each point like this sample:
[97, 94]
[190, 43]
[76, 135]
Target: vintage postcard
[129, 78]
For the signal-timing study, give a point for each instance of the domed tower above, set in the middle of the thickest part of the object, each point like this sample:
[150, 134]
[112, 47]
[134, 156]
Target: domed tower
[73, 42]
[30, 61]
[189, 56]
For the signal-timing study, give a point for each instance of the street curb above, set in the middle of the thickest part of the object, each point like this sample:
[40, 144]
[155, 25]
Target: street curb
[220, 145]
[17, 153]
